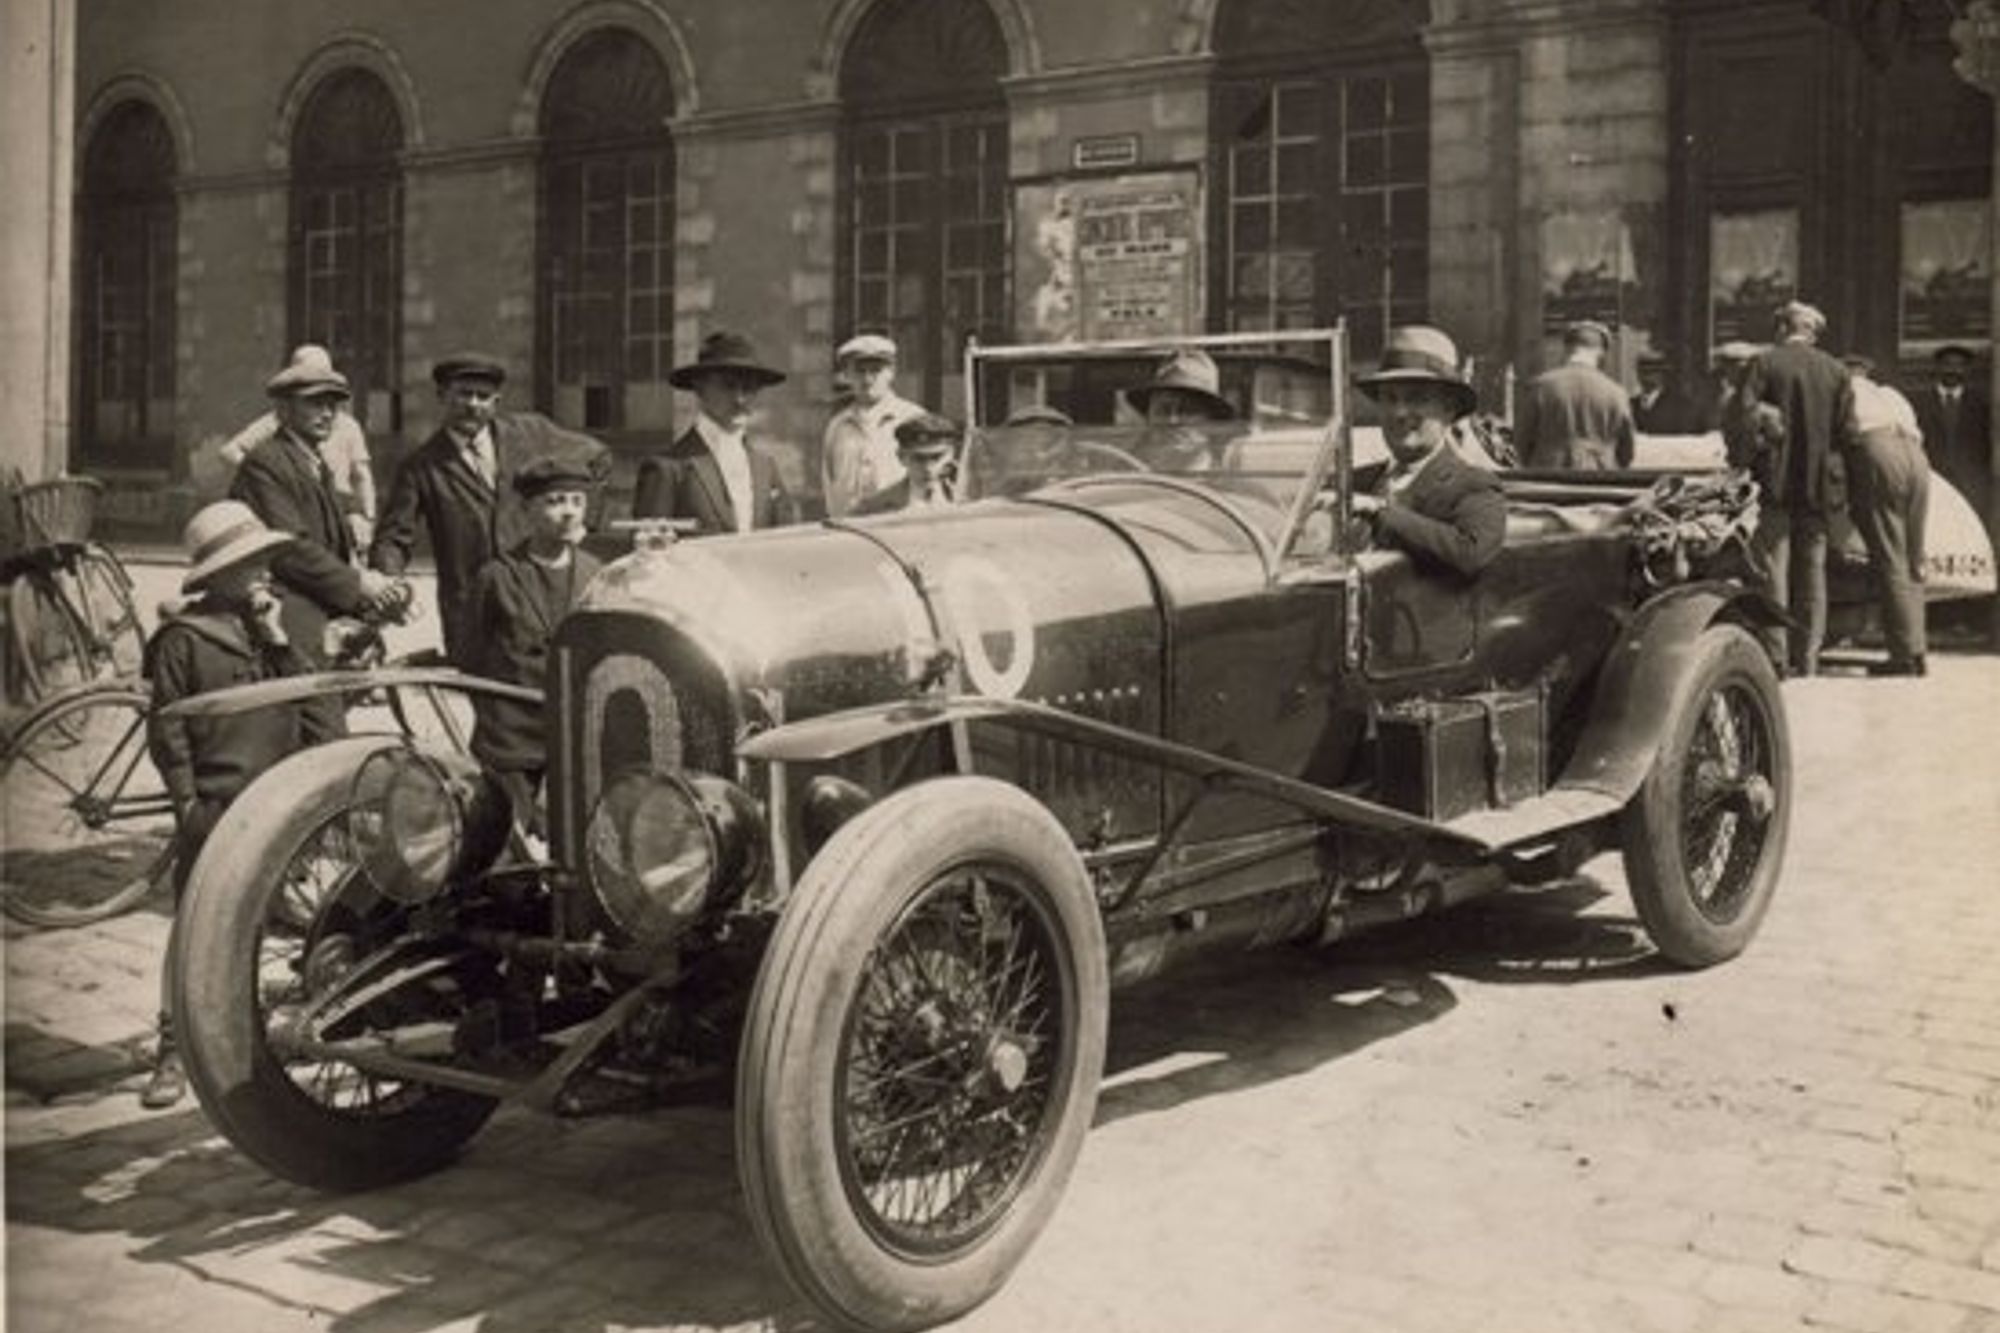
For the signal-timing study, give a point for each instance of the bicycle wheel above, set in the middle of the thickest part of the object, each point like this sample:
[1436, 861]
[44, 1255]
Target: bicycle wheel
[118, 640]
[88, 829]
[50, 648]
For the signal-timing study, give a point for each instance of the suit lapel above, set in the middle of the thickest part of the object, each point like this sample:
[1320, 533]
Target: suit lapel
[708, 475]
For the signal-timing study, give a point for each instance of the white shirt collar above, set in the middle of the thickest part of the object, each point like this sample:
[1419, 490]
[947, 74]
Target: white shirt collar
[732, 457]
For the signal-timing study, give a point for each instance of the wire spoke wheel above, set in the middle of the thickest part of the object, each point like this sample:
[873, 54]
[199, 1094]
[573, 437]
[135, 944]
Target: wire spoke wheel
[118, 639]
[89, 831]
[949, 1060]
[50, 652]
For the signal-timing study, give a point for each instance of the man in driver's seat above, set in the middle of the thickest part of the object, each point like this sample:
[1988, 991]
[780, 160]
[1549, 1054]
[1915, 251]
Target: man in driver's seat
[1441, 510]
[1181, 404]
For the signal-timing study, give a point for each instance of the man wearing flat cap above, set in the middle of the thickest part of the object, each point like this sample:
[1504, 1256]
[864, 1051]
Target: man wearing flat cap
[460, 484]
[1448, 514]
[928, 447]
[519, 597]
[1659, 407]
[1574, 416]
[288, 484]
[345, 450]
[713, 473]
[1799, 467]
[858, 453]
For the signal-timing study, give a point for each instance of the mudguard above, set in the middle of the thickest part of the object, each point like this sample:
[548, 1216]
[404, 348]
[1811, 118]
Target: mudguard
[296, 689]
[1635, 693]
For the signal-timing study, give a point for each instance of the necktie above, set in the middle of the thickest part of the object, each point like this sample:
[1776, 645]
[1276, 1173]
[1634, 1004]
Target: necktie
[482, 462]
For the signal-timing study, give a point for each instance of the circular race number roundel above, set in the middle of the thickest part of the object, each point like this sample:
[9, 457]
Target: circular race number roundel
[985, 606]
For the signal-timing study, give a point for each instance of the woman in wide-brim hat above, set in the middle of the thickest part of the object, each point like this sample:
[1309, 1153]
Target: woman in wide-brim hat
[725, 353]
[1420, 354]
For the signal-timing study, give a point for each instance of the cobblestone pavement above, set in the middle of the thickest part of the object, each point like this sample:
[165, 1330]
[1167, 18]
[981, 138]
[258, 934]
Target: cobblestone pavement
[1510, 1118]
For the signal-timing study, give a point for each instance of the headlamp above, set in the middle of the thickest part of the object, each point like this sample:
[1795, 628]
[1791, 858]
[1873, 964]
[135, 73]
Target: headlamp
[662, 847]
[419, 821]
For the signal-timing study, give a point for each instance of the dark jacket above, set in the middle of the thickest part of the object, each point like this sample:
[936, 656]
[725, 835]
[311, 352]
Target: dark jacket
[207, 761]
[467, 521]
[1672, 413]
[281, 484]
[686, 482]
[1803, 471]
[1452, 514]
[1574, 416]
[1960, 444]
[517, 613]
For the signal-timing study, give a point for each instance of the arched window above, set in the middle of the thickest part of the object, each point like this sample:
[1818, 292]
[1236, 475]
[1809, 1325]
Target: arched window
[923, 206]
[127, 271]
[606, 296]
[346, 262]
[1321, 133]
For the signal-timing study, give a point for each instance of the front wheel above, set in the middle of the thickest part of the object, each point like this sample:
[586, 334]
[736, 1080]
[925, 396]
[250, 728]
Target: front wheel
[1704, 838]
[922, 1054]
[277, 911]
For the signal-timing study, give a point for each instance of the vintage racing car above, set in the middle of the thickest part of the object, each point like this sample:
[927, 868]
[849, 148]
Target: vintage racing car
[877, 812]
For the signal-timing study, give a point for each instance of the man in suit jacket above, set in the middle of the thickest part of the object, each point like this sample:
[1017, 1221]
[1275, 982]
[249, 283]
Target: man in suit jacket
[1660, 408]
[1957, 423]
[926, 449]
[1446, 513]
[1575, 415]
[1802, 474]
[712, 473]
[288, 484]
[460, 483]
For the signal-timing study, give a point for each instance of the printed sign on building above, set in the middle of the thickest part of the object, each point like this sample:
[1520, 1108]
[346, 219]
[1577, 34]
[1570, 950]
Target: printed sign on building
[1753, 265]
[1947, 281]
[1109, 258]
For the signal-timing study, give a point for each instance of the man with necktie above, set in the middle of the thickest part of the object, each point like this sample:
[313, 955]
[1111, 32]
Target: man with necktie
[1957, 424]
[460, 483]
[288, 484]
[713, 473]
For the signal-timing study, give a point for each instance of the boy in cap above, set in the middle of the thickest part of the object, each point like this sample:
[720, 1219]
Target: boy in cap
[231, 634]
[858, 455]
[519, 598]
[1574, 416]
[927, 447]
[459, 482]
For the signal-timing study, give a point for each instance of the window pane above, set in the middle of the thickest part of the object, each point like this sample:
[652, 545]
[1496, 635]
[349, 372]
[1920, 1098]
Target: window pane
[1409, 155]
[1299, 110]
[1295, 223]
[1364, 162]
[1251, 171]
[1367, 104]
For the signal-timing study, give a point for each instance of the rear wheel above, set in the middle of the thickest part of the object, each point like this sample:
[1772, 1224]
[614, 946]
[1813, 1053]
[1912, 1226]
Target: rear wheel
[89, 831]
[922, 1054]
[51, 651]
[118, 639]
[1705, 836]
[276, 913]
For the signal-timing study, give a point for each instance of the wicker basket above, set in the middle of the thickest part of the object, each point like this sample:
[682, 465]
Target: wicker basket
[57, 512]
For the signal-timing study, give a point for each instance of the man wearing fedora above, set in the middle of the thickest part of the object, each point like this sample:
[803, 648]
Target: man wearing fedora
[713, 474]
[345, 450]
[1574, 416]
[858, 454]
[1957, 424]
[460, 484]
[1182, 398]
[928, 447]
[1445, 512]
[232, 633]
[1800, 468]
[288, 483]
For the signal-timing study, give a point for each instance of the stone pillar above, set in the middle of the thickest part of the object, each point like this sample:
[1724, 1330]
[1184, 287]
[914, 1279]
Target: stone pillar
[1976, 34]
[37, 98]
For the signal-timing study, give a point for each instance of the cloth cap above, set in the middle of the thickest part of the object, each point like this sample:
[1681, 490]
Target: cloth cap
[469, 366]
[1420, 354]
[723, 351]
[1191, 371]
[1039, 414]
[553, 473]
[223, 534]
[1953, 352]
[1587, 333]
[928, 432]
[866, 347]
[308, 374]
[1652, 360]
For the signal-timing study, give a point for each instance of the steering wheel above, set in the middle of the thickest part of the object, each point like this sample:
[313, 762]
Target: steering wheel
[1106, 456]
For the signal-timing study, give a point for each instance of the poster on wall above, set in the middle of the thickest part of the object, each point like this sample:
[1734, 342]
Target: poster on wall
[1753, 266]
[1114, 257]
[1588, 271]
[1946, 285]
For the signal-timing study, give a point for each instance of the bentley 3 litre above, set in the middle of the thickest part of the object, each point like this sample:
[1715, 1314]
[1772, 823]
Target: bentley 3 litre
[877, 812]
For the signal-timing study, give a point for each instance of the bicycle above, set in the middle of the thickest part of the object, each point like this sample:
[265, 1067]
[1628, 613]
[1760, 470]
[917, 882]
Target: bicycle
[88, 828]
[70, 613]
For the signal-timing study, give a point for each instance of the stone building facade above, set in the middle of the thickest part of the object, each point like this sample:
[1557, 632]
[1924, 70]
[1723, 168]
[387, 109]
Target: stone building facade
[586, 187]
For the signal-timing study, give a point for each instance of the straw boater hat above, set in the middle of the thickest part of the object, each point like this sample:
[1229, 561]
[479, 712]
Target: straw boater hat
[1736, 349]
[721, 351]
[223, 534]
[1420, 354]
[1191, 371]
[310, 373]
